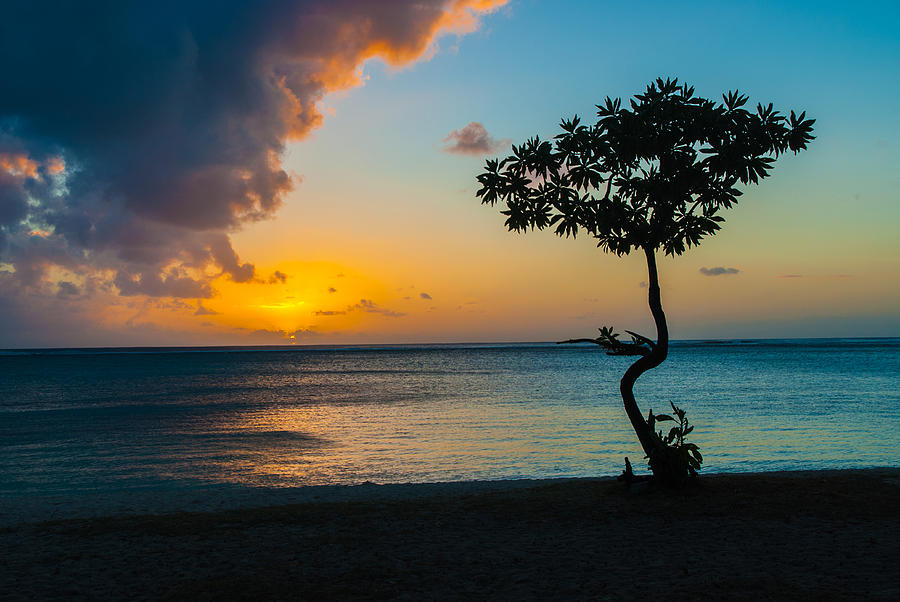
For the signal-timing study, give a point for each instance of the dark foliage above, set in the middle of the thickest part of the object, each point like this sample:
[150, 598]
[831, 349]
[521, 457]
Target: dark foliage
[655, 175]
[684, 455]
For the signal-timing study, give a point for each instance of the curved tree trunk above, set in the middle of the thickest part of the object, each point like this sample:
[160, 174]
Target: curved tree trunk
[649, 441]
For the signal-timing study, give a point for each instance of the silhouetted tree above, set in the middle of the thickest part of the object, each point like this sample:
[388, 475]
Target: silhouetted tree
[654, 175]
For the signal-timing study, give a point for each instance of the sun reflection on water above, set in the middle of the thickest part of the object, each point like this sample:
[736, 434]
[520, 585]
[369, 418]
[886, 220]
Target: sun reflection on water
[298, 418]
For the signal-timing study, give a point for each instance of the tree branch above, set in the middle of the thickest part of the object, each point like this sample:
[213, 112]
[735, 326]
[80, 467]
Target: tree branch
[639, 338]
[694, 206]
[595, 341]
[608, 186]
[615, 347]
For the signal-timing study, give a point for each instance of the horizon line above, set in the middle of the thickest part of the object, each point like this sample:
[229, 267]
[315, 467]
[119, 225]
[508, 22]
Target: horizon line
[338, 346]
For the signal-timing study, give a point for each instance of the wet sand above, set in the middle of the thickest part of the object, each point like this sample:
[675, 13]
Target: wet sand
[805, 535]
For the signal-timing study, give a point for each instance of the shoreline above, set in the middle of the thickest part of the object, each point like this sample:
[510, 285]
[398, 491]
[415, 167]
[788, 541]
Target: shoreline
[85, 505]
[740, 536]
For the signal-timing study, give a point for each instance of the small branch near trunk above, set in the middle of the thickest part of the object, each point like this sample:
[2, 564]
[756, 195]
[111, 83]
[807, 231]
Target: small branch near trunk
[641, 340]
[628, 475]
[609, 340]
[595, 341]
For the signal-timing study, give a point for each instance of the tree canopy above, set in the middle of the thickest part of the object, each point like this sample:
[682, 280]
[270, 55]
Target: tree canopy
[652, 176]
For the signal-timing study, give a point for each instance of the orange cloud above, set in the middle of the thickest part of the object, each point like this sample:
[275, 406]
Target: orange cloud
[21, 165]
[408, 38]
[18, 165]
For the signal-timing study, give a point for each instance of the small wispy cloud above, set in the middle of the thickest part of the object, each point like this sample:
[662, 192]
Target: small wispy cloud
[331, 289]
[370, 307]
[719, 271]
[277, 277]
[791, 276]
[425, 295]
[203, 311]
[365, 305]
[472, 140]
[283, 335]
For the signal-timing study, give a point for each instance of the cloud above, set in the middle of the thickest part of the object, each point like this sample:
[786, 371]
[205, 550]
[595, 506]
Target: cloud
[224, 255]
[719, 271]
[265, 335]
[365, 305]
[331, 289]
[425, 295]
[202, 311]
[277, 277]
[67, 289]
[137, 136]
[369, 306]
[472, 140]
[173, 283]
[791, 276]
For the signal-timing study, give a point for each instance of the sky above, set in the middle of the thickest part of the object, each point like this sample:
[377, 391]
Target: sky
[304, 172]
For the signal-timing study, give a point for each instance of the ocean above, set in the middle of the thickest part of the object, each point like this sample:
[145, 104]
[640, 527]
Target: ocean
[81, 420]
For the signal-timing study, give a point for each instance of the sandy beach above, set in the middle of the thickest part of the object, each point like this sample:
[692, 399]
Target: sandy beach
[803, 535]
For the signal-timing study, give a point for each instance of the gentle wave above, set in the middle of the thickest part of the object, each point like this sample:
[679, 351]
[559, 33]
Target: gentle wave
[73, 420]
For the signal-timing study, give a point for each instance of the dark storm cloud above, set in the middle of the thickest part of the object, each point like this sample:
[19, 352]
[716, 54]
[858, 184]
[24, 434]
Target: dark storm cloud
[224, 255]
[67, 289]
[135, 136]
[13, 201]
[151, 284]
[719, 271]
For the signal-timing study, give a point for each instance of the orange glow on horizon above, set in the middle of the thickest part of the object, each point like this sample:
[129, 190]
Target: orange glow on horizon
[316, 298]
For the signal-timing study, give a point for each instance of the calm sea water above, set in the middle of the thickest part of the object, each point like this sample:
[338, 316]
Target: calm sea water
[78, 420]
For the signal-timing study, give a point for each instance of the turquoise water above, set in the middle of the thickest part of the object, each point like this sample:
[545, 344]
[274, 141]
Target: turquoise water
[78, 420]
